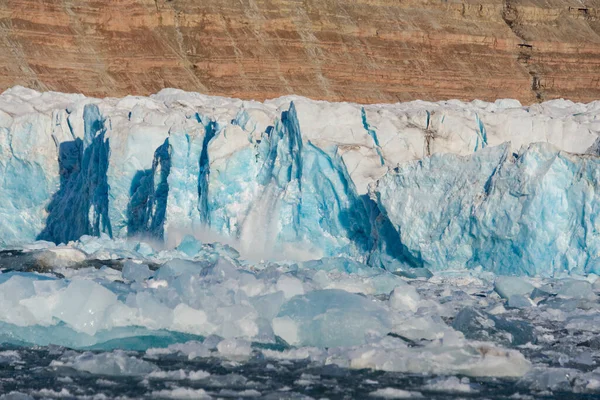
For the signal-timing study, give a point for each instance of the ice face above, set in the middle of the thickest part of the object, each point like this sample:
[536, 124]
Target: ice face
[528, 213]
[288, 178]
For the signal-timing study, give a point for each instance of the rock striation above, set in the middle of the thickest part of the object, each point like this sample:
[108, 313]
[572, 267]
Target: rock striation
[365, 51]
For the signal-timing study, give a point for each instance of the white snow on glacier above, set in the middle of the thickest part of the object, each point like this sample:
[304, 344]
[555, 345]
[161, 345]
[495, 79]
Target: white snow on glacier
[290, 178]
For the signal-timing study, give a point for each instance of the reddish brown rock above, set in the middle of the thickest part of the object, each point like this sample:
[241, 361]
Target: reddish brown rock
[354, 50]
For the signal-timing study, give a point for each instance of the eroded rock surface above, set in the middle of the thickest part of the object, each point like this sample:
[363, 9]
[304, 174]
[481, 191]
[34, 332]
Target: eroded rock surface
[363, 51]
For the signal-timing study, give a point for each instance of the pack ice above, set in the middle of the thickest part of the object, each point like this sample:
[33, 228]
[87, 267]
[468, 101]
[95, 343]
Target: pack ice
[438, 185]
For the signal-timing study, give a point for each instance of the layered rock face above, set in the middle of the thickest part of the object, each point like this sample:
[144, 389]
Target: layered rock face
[361, 50]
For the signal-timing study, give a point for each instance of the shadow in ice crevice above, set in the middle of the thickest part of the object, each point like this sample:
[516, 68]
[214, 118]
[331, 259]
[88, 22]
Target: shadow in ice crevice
[80, 206]
[147, 207]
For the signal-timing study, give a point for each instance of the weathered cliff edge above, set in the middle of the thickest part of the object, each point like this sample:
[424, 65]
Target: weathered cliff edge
[363, 51]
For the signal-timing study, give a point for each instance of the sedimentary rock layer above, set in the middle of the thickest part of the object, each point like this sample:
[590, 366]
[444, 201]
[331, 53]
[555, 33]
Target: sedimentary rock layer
[339, 50]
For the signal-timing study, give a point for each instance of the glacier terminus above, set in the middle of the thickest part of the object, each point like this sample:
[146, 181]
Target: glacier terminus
[442, 185]
[186, 246]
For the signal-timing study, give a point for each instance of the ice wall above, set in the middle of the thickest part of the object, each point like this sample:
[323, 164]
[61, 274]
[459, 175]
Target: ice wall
[535, 212]
[289, 178]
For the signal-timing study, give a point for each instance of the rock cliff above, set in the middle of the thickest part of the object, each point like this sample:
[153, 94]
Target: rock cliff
[353, 50]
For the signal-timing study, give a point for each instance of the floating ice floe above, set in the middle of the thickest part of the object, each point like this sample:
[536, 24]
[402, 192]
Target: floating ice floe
[331, 312]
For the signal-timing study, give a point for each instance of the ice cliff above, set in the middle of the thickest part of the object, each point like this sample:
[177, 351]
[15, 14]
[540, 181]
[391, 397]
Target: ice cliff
[439, 185]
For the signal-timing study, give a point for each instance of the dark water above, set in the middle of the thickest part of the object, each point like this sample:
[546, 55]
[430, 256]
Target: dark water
[31, 373]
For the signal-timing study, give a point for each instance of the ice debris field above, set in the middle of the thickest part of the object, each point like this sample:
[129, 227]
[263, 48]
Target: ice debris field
[409, 250]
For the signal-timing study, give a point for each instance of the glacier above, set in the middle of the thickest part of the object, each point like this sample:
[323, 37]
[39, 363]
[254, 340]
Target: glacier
[190, 243]
[533, 212]
[438, 185]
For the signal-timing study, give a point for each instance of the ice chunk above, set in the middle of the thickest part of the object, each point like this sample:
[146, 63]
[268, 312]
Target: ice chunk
[385, 282]
[177, 267]
[418, 327]
[576, 289]
[192, 349]
[144, 249]
[450, 384]
[9, 357]
[190, 320]
[248, 393]
[585, 358]
[538, 295]
[498, 362]
[268, 305]
[302, 353]
[437, 358]
[190, 246]
[339, 264]
[83, 305]
[393, 393]
[50, 393]
[39, 245]
[136, 272]
[288, 329]
[60, 257]
[154, 313]
[405, 298]
[507, 286]
[42, 305]
[478, 325]
[554, 379]
[26, 299]
[117, 363]
[289, 286]
[234, 348]
[327, 318]
[179, 374]
[519, 301]
[596, 286]
[414, 273]
[15, 396]
[181, 394]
